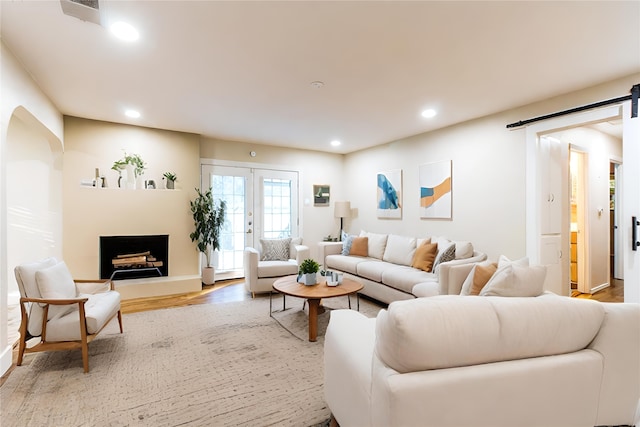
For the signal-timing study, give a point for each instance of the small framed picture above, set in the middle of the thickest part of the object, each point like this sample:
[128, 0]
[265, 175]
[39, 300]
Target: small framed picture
[321, 195]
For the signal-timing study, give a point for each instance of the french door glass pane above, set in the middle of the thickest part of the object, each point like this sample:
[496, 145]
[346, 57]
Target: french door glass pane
[231, 189]
[277, 208]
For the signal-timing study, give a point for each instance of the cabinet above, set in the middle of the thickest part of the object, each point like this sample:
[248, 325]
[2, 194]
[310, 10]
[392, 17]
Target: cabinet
[553, 155]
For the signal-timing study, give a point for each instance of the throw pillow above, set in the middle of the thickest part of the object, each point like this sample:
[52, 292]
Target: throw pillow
[481, 276]
[424, 256]
[504, 261]
[446, 252]
[468, 282]
[360, 246]
[347, 241]
[516, 281]
[56, 282]
[377, 243]
[275, 249]
[464, 250]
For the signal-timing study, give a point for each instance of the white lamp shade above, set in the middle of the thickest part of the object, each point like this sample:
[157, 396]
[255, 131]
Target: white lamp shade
[342, 210]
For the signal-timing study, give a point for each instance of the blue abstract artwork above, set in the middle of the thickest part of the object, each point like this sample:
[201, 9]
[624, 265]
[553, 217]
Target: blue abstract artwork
[389, 194]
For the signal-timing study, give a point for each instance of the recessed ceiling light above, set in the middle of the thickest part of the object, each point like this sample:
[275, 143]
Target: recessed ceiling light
[335, 142]
[132, 113]
[429, 113]
[317, 84]
[124, 31]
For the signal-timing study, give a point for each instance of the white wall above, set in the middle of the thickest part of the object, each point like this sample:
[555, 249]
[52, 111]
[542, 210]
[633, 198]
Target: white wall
[315, 168]
[21, 99]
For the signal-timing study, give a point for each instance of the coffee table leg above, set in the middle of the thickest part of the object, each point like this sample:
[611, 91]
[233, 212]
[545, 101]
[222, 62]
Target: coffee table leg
[313, 319]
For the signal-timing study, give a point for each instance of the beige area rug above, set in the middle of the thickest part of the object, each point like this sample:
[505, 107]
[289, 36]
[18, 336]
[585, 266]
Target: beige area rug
[204, 365]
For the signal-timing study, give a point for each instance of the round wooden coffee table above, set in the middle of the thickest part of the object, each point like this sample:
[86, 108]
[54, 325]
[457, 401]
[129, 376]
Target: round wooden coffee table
[288, 285]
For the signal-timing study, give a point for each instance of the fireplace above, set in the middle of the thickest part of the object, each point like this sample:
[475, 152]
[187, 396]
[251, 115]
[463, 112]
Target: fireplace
[134, 257]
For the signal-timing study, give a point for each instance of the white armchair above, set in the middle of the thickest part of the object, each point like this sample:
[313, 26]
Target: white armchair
[274, 258]
[64, 313]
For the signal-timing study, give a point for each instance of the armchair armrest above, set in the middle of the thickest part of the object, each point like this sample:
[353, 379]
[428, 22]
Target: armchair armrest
[84, 286]
[302, 253]
[251, 258]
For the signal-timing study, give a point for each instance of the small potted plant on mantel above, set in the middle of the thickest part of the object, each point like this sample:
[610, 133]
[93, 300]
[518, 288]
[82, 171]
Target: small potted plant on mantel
[133, 165]
[309, 271]
[208, 218]
[171, 180]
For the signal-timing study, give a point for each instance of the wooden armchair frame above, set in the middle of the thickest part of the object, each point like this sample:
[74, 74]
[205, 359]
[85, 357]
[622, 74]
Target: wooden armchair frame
[44, 345]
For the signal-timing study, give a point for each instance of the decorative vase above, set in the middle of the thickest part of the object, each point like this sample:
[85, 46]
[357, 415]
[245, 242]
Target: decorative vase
[208, 275]
[309, 279]
[170, 184]
[130, 183]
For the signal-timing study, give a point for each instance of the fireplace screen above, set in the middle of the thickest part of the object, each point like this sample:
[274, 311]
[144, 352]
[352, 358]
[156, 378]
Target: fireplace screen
[133, 257]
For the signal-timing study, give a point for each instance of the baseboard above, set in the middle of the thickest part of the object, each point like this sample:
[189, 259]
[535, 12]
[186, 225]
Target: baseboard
[599, 288]
[6, 359]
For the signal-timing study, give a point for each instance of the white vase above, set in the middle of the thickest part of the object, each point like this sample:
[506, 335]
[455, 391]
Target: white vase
[208, 275]
[130, 181]
[309, 279]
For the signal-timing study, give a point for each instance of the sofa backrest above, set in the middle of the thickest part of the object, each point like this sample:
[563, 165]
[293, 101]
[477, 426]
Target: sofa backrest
[450, 330]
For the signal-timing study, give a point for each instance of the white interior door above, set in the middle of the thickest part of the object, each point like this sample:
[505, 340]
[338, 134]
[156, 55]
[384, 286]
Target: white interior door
[630, 202]
[260, 203]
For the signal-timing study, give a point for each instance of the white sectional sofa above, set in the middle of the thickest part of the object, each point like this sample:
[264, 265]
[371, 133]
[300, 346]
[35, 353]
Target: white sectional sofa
[485, 361]
[386, 271]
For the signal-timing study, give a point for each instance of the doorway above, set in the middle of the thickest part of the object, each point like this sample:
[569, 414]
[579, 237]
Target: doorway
[261, 203]
[579, 227]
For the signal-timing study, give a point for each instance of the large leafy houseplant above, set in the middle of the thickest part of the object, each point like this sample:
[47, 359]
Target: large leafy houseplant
[208, 218]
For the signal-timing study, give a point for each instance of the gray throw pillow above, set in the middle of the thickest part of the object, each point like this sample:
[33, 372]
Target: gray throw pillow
[275, 249]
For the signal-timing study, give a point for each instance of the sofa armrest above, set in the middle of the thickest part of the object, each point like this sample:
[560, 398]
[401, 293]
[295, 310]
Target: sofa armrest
[453, 287]
[302, 253]
[348, 349]
[328, 248]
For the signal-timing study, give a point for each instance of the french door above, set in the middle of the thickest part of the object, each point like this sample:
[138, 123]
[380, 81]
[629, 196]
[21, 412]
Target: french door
[261, 203]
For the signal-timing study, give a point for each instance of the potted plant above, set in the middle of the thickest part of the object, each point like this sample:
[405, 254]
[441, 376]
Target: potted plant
[208, 218]
[133, 164]
[171, 179]
[308, 271]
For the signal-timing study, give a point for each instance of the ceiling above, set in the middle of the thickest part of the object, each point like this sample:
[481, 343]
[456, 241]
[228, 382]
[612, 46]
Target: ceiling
[242, 71]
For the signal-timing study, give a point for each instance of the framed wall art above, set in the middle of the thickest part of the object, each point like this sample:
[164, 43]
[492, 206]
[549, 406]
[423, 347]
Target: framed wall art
[321, 195]
[435, 190]
[389, 196]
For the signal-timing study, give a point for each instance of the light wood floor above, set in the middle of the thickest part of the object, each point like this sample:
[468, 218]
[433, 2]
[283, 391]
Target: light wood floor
[613, 293]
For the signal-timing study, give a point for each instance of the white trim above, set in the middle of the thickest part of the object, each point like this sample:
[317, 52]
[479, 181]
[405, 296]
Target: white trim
[599, 288]
[532, 133]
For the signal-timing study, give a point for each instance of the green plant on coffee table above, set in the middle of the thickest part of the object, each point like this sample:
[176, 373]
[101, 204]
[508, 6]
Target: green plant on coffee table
[309, 266]
[130, 159]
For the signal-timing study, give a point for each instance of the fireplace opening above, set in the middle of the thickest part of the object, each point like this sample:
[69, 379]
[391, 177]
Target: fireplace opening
[134, 257]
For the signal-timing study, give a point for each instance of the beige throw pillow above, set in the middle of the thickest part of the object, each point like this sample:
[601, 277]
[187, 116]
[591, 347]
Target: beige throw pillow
[57, 283]
[516, 281]
[425, 256]
[360, 246]
[481, 276]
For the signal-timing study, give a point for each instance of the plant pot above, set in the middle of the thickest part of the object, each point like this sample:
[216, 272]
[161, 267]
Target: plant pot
[208, 275]
[170, 184]
[309, 279]
[130, 182]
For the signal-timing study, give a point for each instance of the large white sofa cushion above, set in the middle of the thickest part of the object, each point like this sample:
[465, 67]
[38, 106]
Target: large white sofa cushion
[348, 264]
[372, 269]
[277, 268]
[405, 278]
[400, 249]
[377, 243]
[451, 331]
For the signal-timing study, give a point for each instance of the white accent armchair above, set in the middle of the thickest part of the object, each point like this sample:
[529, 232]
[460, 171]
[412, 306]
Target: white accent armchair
[65, 313]
[263, 265]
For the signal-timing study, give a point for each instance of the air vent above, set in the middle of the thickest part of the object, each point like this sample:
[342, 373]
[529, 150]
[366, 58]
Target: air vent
[86, 10]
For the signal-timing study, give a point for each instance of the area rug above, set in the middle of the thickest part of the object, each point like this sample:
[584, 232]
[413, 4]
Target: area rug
[203, 365]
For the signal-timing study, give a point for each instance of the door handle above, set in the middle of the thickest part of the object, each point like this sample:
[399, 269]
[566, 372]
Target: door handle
[249, 231]
[634, 233]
